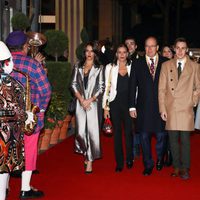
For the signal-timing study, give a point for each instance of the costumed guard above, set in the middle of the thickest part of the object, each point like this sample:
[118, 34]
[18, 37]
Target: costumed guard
[12, 120]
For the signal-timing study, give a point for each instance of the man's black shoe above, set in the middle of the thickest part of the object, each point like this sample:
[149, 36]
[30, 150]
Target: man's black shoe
[168, 159]
[118, 169]
[147, 171]
[31, 194]
[159, 165]
[129, 164]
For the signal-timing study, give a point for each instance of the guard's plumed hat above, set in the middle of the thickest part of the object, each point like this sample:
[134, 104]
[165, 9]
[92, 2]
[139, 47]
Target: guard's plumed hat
[16, 38]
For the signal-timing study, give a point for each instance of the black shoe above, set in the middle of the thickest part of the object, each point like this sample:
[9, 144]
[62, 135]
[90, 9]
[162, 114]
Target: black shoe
[31, 194]
[129, 164]
[147, 171]
[118, 169]
[7, 192]
[16, 174]
[159, 165]
[36, 171]
[88, 172]
[168, 159]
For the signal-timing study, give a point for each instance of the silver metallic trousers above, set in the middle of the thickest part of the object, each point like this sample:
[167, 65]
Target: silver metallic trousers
[87, 140]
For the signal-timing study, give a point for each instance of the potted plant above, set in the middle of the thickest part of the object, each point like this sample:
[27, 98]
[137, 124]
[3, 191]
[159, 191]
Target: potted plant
[57, 43]
[20, 22]
[49, 125]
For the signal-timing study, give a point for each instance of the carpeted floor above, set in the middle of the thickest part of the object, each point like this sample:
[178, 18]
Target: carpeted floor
[62, 177]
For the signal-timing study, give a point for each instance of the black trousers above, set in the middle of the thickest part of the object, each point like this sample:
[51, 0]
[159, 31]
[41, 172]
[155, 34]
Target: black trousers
[120, 116]
[180, 148]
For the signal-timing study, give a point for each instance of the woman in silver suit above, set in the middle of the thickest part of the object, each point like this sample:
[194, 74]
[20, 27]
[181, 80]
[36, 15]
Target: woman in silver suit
[88, 87]
[115, 105]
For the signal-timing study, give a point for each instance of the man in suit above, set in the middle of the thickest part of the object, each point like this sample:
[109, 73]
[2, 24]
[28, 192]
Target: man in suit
[133, 55]
[179, 88]
[144, 106]
[132, 46]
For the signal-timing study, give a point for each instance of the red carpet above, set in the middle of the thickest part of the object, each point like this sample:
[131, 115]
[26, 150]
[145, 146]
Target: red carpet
[62, 177]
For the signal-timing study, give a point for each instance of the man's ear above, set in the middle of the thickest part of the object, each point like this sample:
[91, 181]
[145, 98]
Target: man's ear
[157, 47]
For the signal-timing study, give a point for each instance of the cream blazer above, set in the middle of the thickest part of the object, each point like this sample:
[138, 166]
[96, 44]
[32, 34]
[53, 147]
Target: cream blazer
[113, 88]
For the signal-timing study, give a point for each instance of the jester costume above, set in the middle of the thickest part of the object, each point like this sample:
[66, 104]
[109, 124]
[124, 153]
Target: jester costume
[12, 117]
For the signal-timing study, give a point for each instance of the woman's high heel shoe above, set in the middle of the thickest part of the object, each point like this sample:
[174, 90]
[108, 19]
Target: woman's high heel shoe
[86, 170]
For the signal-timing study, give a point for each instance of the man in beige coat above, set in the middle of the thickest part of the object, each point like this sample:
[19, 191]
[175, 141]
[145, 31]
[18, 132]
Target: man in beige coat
[179, 88]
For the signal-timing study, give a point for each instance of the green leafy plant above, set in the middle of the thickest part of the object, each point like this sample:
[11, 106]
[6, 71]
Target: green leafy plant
[84, 38]
[20, 21]
[56, 111]
[57, 43]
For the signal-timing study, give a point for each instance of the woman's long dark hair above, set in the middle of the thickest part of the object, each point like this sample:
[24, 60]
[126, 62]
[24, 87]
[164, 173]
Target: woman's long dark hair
[96, 53]
[115, 59]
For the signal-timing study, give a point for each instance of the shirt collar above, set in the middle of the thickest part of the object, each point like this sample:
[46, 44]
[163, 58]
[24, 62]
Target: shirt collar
[17, 53]
[149, 58]
[182, 61]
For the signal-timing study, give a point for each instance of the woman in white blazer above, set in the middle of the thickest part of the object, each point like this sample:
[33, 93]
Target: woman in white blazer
[115, 105]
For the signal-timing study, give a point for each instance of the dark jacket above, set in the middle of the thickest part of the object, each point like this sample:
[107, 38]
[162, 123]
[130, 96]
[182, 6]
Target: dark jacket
[146, 100]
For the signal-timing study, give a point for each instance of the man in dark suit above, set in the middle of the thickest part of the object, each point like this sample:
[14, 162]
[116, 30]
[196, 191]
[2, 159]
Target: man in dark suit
[144, 105]
[133, 55]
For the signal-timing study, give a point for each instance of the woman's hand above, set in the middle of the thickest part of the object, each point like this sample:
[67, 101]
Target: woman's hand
[86, 103]
[106, 114]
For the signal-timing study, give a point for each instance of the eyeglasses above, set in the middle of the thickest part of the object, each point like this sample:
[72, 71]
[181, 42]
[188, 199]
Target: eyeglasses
[152, 46]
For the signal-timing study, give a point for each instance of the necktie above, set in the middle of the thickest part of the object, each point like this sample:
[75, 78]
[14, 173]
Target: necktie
[179, 69]
[152, 67]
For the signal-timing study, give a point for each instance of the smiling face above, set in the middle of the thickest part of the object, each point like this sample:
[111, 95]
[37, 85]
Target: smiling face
[167, 52]
[89, 53]
[122, 54]
[151, 47]
[181, 49]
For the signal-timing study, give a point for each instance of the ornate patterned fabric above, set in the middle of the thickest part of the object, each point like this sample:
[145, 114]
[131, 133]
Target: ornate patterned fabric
[12, 117]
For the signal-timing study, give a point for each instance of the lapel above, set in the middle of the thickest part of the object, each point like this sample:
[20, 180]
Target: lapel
[156, 77]
[81, 72]
[146, 68]
[92, 72]
[115, 70]
[184, 74]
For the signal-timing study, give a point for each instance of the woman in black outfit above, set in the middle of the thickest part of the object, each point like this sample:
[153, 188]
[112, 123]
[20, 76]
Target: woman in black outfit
[115, 105]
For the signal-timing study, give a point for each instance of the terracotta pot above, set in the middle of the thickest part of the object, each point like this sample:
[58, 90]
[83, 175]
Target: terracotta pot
[55, 135]
[60, 123]
[63, 130]
[68, 118]
[40, 139]
[73, 122]
[46, 140]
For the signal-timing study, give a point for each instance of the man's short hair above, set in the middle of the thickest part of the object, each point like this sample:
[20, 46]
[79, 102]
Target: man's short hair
[180, 39]
[130, 38]
[153, 37]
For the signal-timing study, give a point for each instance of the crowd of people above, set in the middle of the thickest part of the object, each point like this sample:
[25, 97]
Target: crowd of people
[153, 94]
[143, 95]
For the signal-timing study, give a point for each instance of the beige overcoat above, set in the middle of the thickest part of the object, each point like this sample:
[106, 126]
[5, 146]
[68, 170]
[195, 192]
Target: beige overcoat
[178, 97]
